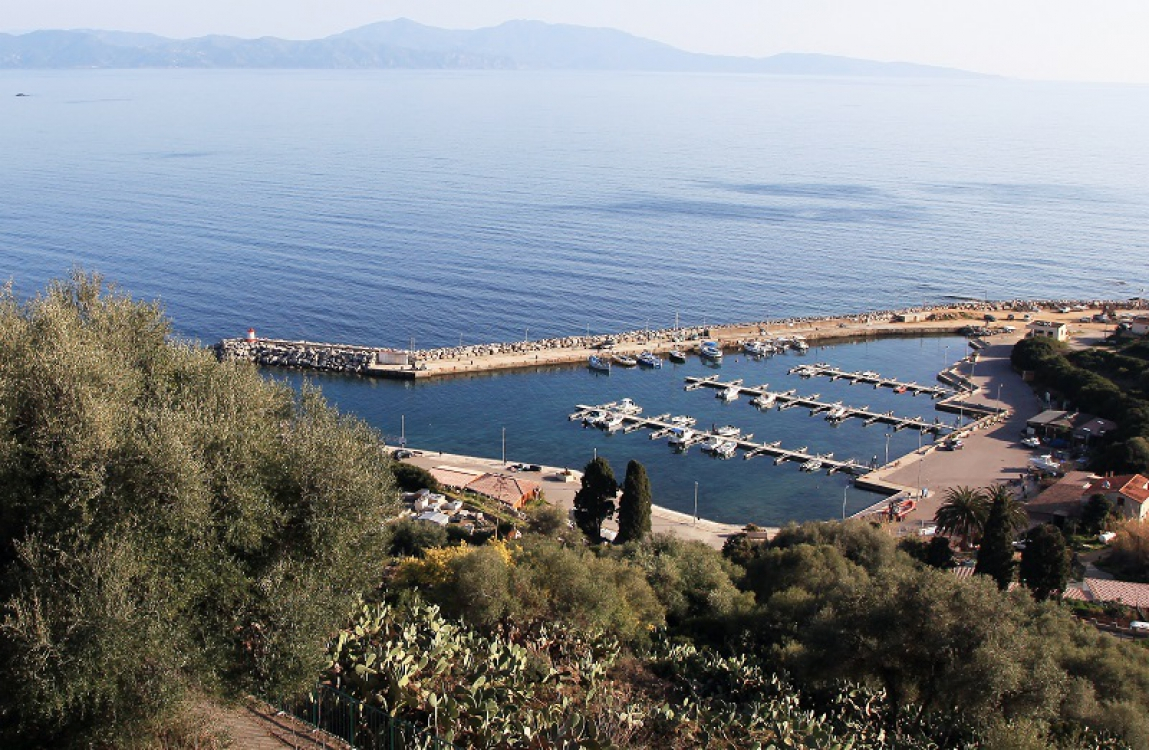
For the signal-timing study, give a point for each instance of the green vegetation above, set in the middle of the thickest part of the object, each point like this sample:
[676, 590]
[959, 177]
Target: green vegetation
[411, 478]
[995, 556]
[1111, 383]
[594, 502]
[1045, 562]
[634, 505]
[963, 514]
[173, 526]
[166, 521]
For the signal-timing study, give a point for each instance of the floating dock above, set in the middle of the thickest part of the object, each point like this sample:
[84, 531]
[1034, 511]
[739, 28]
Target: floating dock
[630, 422]
[790, 399]
[823, 370]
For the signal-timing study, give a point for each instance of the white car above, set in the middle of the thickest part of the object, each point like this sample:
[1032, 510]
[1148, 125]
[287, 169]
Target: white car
[1031, 442]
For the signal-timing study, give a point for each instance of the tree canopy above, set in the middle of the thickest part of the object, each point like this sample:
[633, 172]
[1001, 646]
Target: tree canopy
[634, 505]
[594, 502]
[165, 519]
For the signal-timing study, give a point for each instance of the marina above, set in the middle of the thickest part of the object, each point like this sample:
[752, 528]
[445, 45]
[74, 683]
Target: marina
[721, 441]
[833, 412]
[823, 370]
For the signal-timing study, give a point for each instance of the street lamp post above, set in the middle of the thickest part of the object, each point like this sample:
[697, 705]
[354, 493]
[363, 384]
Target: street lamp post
[696, 503]
[844, 502]
[946, 360]
[888, 434]
[504, 446]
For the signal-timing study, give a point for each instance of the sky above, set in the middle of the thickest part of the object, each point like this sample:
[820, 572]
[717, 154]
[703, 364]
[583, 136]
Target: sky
[1074, 40]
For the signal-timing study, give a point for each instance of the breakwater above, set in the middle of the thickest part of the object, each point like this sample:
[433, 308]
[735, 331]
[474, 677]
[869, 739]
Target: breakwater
[443, 361]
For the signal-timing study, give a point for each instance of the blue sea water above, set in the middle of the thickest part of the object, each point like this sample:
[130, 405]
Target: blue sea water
[377, 207]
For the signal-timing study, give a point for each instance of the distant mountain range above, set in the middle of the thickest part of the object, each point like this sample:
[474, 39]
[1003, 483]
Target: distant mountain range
[515, 45]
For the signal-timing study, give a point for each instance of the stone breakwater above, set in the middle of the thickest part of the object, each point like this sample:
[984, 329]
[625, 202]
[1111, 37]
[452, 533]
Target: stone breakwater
[383, 362]
[304, 355]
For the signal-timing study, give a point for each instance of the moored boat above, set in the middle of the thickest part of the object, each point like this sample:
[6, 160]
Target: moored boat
[728, 430]
[755, 349]
[764, 401]
[624, 360]
[599, 364]
[710, 350]
[730, 394]
[647, 359]
[627, 406]
[677, 355]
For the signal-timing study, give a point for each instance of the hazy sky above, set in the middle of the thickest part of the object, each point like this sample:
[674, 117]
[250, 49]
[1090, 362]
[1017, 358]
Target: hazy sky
[1087, 40]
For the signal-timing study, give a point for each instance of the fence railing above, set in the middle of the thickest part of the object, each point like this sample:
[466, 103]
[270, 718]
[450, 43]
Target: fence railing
[360, 725]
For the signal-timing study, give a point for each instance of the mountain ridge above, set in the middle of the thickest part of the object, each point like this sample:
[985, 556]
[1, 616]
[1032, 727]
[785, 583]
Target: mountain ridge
[403, 43]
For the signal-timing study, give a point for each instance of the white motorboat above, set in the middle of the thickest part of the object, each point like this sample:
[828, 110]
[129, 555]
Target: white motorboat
[599, 364]
[799, 344]
[612, 422]
[728, 430]
[730, 394]
[837, 413]
[677, 355]
[624, 360]
[725, 448]
[756, 349]
[681, 437]
[814, 464]
[710, 350]
[683, 421]
[764, 401]
[627, 406]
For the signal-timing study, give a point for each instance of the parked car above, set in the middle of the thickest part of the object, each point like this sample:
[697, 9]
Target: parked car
[1031, 442]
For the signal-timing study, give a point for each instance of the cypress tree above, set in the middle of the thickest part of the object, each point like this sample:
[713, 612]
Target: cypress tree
[594, 502]
[995, 558]
[634, 505]
[1045, 562]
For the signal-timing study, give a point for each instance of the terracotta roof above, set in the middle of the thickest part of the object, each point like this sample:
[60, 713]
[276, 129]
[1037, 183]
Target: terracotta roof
[1063, 498]
[1133, 486]
[1129, 594]
[504, 487]
[454, 477]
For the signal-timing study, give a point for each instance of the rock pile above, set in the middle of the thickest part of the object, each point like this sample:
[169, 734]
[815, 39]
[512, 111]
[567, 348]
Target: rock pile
[299, 354]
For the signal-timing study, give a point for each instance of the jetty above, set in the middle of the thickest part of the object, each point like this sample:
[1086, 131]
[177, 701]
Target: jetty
[824, 370]
[790, 399]
[631, 422]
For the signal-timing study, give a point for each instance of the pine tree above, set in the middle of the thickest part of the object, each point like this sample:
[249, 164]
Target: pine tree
[594, 502]
[634, 505]
[995, 558]
[1045, 562]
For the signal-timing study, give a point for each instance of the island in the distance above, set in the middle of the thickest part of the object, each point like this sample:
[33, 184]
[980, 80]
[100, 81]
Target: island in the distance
[402, 43]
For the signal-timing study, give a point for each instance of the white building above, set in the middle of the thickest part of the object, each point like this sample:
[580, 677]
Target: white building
[1049, 329]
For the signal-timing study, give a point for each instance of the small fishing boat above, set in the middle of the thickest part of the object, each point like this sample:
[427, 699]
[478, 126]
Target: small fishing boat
[647, 359]
[598, 364]
[613, 422]
[677, 355]
[755, 349]
[683, 421]
[799, 344]
[837, 413]
[814, 464]
[900, 389]
[725, 449]
[624, 360]
[710, 350]
[681, 438]
[728, 430]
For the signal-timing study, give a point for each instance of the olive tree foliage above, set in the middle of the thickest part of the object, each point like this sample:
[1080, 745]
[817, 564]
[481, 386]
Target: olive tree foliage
[165, 519]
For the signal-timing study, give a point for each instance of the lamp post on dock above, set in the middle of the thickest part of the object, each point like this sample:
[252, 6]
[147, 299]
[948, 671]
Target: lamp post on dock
[696, 503]
[888, 435]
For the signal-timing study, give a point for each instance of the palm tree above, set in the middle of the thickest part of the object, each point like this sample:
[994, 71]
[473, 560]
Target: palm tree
[963, 514]
[1015, 516]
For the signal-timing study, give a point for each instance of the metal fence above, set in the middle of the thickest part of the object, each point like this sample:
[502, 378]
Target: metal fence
[362, 726]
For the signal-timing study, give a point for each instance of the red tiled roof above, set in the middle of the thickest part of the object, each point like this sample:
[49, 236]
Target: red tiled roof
[1063, 497]
[1133, 486]
[508, 489]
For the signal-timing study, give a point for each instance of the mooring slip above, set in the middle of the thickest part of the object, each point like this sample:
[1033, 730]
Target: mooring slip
[835, 412]
[609, 417]
[821, 369]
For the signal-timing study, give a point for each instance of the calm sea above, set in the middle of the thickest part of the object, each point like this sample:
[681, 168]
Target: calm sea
[379, 206]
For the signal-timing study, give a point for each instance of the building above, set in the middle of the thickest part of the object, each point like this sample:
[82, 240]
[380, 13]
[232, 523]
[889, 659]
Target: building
[1128, 493]
[1061, 428]
[1062, 501]
[1103, 591]
[507, 489]
[1139, 326]
[454, 477]
[1048, 329]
